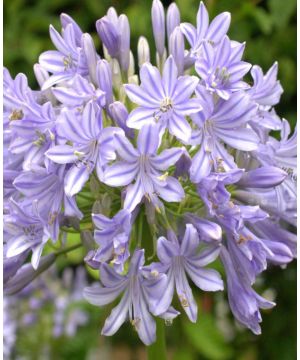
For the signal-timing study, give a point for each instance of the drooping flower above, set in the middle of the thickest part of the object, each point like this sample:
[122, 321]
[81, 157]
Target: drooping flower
[27, 231]
[112, 235]
[180, 258]
[145, 167]
[135, 300]
[243, 300]
[163, 99]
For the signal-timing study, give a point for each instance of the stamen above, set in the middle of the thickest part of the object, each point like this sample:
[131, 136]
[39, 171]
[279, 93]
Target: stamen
[16, 115]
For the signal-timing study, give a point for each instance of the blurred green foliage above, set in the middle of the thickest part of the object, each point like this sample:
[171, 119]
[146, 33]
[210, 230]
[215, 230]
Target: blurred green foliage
[269, 28]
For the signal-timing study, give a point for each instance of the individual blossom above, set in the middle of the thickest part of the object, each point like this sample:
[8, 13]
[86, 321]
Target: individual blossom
[243, 300]
[145, 168]
[163, 99]
[27, 231]
[204, 32]
[75, 54]
[224, 122]
[135, 300]
[91, 146]
[221, 69]
[47, 188]
[80, 93]
[112, 236]
[179, 258]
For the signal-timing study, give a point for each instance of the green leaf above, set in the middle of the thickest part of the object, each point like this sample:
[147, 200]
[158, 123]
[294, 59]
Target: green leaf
[208, 339]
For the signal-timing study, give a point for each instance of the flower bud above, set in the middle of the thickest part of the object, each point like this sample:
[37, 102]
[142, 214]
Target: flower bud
[109, 36]
[124, 50]
[158, 25]
[104, 79]
[119, 114]
[131, 68]
[176, 48]
[173, 18]
[143, 51]
[263, 177]
[26, 274]
[90, 54]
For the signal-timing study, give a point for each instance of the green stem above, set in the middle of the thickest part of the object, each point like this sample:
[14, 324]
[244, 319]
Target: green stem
[68, 249]
[158, 350]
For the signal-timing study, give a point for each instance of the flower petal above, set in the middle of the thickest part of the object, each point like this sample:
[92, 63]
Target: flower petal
[120, 173]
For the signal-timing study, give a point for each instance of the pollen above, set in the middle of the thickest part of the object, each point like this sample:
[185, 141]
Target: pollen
[184, 301]
[166, 105]
[164, 176]
[16, 115]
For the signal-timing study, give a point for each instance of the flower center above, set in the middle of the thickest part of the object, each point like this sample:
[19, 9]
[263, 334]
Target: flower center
[220, 77]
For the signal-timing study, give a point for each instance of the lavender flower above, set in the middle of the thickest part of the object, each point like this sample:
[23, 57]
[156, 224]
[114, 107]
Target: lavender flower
[184, 169]
[205, 32]
[164, 100]
[146, 168]
[112, 237]
[215, 123]
[221, 69]
[135, 300]
[177, 259]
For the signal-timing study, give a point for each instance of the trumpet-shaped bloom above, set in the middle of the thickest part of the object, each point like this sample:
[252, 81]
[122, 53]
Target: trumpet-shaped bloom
[221, 68]
[163, 99]
[224, 122]
[112, 235]
[91, 146]
[27, 231]
[145, 168]
[205, 32]
[182, 258]
[135, 300]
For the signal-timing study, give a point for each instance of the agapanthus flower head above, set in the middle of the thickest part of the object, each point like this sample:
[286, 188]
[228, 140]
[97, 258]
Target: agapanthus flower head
[164, 175]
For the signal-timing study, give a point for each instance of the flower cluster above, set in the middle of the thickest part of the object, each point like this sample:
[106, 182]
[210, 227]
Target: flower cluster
[164, 173]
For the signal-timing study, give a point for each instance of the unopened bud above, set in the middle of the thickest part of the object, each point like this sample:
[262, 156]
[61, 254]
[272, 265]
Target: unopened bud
[173, 18]
[158, 25]
[143, 51]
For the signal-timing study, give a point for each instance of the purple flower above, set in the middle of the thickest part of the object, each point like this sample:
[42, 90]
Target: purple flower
[81, 92]
[143, 166]
[137, 295]
[243, 300]
[114, 31]
[173, 18]
[205, 32]
[88, 150]
[266, 90]
[221, 68]
[48, 189]
[164, 100]
[68, 60]
[225, 122]
[112, 235]
[26, 274]
[27, 231]
[158, 26]
[179, 258]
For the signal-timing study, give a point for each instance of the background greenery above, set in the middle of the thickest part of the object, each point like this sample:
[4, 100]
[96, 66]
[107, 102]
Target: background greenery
[269, 27]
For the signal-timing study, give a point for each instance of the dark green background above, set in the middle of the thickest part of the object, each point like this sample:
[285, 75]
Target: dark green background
[269, 28]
